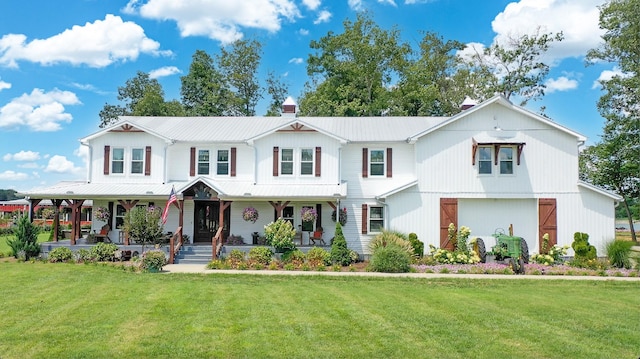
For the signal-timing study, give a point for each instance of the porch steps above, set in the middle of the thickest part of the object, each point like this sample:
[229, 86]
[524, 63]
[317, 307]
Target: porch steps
[194, 255]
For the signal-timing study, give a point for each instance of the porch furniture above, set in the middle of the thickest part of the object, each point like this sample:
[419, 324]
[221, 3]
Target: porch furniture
[122, 235]
[298, 237]
[317, 236]
[103, 236]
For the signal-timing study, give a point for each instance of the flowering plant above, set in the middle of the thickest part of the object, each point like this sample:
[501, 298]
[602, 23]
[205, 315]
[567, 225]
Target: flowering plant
[308, 214]
[250, 214]
[279, 234]
[553, 257]
[102, 214]
[342, 216]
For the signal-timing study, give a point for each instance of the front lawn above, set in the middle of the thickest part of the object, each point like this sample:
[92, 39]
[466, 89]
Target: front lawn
[4, 247]
[71, 310]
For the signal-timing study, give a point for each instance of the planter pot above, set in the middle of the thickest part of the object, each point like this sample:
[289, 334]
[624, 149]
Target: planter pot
[154, 270]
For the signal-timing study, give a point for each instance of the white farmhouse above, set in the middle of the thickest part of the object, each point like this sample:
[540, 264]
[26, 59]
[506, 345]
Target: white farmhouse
[491, 166]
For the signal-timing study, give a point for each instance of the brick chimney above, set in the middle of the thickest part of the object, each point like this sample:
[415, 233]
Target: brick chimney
[289, 107]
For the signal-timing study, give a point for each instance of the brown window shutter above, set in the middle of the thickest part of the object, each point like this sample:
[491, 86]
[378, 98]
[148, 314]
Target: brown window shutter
[318, 160]
[147, 161]
[107, 153]
[389, 162]
[233, 162]
[365, 162]
[192, 166]
[276, 152]
[365, 218]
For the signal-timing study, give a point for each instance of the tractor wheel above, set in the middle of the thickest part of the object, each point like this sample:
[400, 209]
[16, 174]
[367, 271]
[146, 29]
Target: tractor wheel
[481, 250]
[514, 265]
[524, 249]
[521, 265]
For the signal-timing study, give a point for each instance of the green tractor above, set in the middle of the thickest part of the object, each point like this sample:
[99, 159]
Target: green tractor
[509, 249]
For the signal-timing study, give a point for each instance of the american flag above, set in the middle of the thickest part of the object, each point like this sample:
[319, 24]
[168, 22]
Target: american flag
[172, 199]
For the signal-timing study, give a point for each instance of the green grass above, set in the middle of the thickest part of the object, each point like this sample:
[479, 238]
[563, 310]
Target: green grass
[87, 311]
[4, 247]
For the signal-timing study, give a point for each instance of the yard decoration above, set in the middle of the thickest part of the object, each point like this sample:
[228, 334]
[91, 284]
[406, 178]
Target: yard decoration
[583, 250]
[250, 214]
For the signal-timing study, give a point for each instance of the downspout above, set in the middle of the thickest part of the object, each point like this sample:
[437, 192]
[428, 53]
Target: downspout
[90, 161]
[165, 173]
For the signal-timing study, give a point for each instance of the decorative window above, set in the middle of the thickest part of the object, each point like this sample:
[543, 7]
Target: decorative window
[287, 214]
[306, 161]
[203, 162]
[286, 161]
[223, 162]
[376, 219]
[505, 155]
[120, 213]
[484, 160]
[137, 160]
[376, 163]
[117, 160]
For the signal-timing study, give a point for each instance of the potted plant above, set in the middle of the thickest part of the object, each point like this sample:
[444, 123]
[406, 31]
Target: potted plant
[102, 214]
[250, 214]
[342, 216]
[279, 235]
[308, 214]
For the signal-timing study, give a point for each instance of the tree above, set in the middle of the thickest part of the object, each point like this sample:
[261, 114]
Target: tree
[426, 87]
[204, 89]
[8, 195]
[240, 69]
[513, 68]
[615, 162]
[278, 91]
[351, 72]
[142, 96]
[143, 225]
[25, 244]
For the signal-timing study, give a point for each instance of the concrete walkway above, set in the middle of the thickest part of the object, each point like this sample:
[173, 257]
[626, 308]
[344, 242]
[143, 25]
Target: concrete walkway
[201, 269]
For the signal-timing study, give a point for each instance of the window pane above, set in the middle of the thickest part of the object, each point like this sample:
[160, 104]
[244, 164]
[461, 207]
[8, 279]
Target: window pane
[484, 167]
[287, 154]
[223, 155]
[506, 154]
[136, 167]
[376, 212]
[506, 167]
[203, 168]
[287, 168]
[223, 168]
[376, 226]
[117, 167]
[485, 153]
[306, 154]
[118, 154]
[306, 168]
[136, 154]
[203, 155]
[377, 169]
[377, 156]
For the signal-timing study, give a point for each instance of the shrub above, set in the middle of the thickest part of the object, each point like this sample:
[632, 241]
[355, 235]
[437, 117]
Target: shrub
[262, 255]
[84, 255]
[387, 238]
[317, 257]
[391, 258]
[153, 260]
[25, 244]
[583, 250]
[143, 225]
[418, 246]
[235, 257]
[102, 252]
[339, 251]
[618, 253]
[552, 256]
[295, 257]
[60, 254]
[280, 234]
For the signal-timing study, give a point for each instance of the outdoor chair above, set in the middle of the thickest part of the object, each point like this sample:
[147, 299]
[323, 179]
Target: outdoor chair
[103, 236]
[317, 236]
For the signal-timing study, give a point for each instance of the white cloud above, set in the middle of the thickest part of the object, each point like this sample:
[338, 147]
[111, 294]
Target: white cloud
[4, 85]
[605, 76]
[323, 16]
[562, 83]
[13, 176]
[390, 2]
[83, 153]
[29, 165]
[578, 20]
[303, 32]
[472, 49]
[311, 4]
[355, 4]
[22, 156]
[164, 71]
[220, 20]
[39, 110]
[411, 2]
[60, 164]
[96, 44]
[296, 60]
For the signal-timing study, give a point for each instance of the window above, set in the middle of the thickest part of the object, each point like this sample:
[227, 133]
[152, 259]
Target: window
[286, 161]
[287, 214]
[117, 162]
[505, 155]
[203, 162]
[484, 160]
[306, 161]
[137, 160]
[376, 162]
[120, 213]
[223, 162]
[376, 219]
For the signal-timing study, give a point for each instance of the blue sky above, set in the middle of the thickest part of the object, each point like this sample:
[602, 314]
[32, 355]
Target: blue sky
[61, 61]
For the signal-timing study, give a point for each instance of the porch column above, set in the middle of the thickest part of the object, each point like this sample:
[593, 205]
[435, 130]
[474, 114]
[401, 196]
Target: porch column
[56, 218]
[32, 206]
[279, 206]
[75, 205]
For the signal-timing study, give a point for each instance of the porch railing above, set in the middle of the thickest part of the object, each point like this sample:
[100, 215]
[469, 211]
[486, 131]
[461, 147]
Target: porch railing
[216, 243]
[174, 244]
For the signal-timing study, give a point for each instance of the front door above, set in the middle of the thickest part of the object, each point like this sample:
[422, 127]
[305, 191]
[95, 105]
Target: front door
[206, 221]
